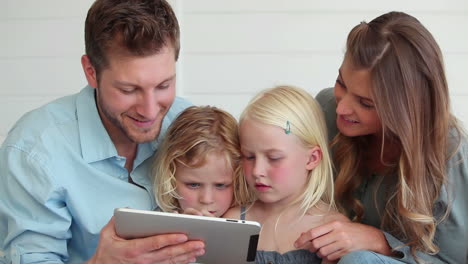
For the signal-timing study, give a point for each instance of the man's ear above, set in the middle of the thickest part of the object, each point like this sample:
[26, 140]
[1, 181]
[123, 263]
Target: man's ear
[89, 71]
[315, 156]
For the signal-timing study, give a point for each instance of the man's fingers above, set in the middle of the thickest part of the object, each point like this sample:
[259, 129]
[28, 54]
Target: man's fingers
[108, 231]
[159, 241]
[181, 253]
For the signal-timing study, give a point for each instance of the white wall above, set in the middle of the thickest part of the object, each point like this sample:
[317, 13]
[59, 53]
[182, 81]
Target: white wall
[230, 49]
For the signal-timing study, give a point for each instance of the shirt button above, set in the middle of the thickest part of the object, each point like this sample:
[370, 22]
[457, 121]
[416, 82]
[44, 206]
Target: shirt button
[270, 262]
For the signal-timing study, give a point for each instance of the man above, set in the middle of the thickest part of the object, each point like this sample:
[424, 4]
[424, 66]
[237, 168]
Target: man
[65, 166]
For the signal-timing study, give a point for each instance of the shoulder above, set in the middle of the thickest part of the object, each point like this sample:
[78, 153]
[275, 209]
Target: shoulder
[179, 105]
[326, 216]
[336, 216]
[325, 96]
[457, 165]
[326, 99]
[233, 212]
[457, 168]
[42, 126]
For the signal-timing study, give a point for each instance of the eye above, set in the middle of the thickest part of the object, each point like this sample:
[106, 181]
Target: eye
[164, 86]
[366, 103]
[340, 83]
[249, 157]
[222, 186]
[127, 91]
[273, 159]
[193, 185]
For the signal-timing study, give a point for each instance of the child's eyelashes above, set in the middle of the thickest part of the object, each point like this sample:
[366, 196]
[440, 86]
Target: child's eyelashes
[222, 186]
[193, 185]
[273, 159]
[248, 157]
[270, 158]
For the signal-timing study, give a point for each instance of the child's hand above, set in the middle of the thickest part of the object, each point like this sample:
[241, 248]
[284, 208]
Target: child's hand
[192, 211]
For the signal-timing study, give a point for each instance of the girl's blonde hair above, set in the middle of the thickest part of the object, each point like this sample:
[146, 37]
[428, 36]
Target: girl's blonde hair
[197, 132]
[293, 108]
[411, 98]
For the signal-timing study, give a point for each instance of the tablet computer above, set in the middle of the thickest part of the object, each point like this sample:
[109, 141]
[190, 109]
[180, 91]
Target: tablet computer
[228, 241]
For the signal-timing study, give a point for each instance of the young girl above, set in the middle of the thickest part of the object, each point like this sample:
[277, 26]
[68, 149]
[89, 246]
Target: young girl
[400, 153]
[197, 169]
[287, 167]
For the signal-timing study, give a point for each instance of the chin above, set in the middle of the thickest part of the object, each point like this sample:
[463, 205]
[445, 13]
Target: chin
[141, 138]
[348, 133]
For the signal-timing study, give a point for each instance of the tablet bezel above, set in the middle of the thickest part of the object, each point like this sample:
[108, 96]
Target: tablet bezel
[226, 240]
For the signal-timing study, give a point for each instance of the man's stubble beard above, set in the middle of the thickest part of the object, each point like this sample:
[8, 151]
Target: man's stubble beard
[127, 131]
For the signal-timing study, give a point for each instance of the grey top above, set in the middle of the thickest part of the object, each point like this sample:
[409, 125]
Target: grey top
[451, 234]
[290, 257]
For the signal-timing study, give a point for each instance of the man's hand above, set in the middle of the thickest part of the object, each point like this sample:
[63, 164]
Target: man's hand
[166, 249]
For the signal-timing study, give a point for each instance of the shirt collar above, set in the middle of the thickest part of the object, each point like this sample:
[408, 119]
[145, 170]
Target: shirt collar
[96, 143]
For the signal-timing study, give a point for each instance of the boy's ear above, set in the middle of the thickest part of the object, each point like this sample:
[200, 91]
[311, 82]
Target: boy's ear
[315, 156]
[89, 71]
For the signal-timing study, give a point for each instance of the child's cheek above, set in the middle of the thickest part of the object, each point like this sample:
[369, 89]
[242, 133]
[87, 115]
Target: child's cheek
[247, 168]
[188, 199]
[279, 174]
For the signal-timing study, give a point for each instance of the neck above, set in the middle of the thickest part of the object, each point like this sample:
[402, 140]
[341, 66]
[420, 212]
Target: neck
[275, 209]
[124, 146]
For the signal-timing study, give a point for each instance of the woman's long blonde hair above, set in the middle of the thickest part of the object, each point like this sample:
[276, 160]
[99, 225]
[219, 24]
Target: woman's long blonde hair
[197, 132]
[293, 108]
[412, 101]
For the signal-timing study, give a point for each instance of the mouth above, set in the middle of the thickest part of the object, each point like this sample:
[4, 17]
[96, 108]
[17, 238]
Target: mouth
[262, 187]
[349, 120]
[142, 122]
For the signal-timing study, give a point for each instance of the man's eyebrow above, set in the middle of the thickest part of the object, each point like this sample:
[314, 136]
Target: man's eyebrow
[125, 83]
[168, 79]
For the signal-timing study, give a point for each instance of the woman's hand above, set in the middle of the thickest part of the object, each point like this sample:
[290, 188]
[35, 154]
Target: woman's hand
[335, 239]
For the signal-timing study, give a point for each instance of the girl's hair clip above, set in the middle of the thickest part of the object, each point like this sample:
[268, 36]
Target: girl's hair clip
[287, 130]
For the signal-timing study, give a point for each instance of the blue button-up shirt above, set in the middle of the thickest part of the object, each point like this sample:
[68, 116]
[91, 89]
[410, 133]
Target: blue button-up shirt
[61, 178]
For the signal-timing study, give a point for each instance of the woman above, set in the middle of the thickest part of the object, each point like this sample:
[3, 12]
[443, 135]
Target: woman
[401, 157]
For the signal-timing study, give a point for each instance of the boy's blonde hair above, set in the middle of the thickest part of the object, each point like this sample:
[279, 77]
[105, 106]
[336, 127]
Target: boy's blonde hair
[284, 105]
[197, 132]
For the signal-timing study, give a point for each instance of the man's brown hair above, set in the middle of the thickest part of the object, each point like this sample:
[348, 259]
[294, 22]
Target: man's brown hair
[132, 27]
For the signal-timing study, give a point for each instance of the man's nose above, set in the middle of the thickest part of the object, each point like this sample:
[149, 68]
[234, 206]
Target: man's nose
[147, 106]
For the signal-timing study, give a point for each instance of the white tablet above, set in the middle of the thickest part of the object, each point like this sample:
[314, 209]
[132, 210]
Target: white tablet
[228, 241]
